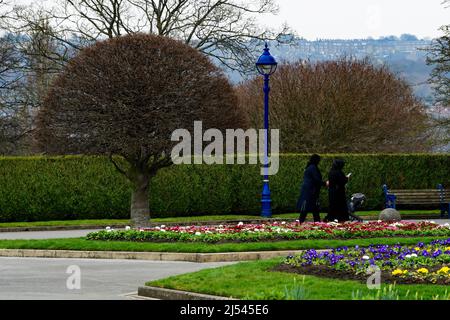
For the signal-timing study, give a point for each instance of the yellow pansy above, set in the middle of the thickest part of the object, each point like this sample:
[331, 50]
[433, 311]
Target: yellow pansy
[397, 272]
[417, 248]
[444, 270]
[422, 271]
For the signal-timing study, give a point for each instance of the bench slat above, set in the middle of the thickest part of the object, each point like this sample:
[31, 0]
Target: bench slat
[415, 191]
[418, 201]
[418, 195]
[412, 190]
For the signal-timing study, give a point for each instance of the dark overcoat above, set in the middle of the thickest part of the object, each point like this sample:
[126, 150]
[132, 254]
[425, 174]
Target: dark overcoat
[338, 208]
[310, 190]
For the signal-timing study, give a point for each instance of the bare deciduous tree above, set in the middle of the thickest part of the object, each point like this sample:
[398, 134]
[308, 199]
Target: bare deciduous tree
[439, 57]
[28, 65]
[226, 30]
[13, 115]
[125, 97]
[339, 106]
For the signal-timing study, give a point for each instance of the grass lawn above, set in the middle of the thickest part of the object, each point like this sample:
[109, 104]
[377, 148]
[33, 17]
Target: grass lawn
[179, 219]
[86, 245]
[253, 281]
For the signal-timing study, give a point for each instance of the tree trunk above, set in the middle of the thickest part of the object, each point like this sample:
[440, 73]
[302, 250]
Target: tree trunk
[140, 208]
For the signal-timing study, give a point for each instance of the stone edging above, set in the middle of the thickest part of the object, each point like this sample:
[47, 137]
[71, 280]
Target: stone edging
[149, 256]
[168, 294]
[201, 223]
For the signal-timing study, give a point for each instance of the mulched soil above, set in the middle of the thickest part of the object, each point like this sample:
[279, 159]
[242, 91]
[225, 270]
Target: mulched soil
[326, 272]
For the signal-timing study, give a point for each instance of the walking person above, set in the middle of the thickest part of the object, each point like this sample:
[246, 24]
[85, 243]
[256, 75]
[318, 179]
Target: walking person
[338, 208]
[310, 190]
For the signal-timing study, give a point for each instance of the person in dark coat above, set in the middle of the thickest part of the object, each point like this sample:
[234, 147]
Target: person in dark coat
[338, 209]
[310, 190]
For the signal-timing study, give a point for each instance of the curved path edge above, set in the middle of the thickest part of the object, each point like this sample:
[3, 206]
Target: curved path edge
[150, 256]
[169, 294]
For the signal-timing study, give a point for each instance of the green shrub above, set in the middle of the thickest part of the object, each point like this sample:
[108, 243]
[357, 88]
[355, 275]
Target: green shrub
[39, 188]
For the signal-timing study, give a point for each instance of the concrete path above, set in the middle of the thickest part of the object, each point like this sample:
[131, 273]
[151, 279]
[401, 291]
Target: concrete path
[27, 235]
[38, 278]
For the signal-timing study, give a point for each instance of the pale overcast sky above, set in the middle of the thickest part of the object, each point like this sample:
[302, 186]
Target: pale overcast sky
[362, 18]
[346, 19]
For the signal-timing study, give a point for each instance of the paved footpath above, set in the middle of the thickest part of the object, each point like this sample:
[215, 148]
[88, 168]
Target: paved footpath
[83, 233]
[28, 235]
[37, 278]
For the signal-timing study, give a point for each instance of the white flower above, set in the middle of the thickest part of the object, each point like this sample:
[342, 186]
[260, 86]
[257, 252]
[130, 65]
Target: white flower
[163, 226]
[198, 233]
[297, 220]
[157, 228]
[366, 257]
[433, 222]
[127, 228]
[162, 230]
[108, 228]
[240, 224]
[284, 222]
[397, 224]
[220, 226]
[408, 256]
[413, 255]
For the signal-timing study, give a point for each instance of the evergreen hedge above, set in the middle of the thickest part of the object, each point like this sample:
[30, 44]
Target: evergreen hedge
[75, 187]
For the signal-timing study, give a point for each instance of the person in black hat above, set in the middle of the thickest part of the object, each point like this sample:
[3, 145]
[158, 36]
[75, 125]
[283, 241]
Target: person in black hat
[310, 190]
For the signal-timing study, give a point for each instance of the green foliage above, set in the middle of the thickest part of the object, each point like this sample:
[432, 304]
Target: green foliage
[63, 188]
[391, 293]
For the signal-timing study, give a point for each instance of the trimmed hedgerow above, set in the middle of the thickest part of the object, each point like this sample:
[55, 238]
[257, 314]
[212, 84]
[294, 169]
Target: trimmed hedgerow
[76, 187]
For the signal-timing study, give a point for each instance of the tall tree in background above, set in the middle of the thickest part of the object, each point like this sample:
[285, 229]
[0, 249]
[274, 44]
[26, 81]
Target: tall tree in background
[226, 30]
[11, 126]
[29, 65]
[125, 97]
[439, 58]
[339, 106]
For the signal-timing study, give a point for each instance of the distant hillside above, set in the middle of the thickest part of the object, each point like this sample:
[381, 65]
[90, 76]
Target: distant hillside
[404, 56]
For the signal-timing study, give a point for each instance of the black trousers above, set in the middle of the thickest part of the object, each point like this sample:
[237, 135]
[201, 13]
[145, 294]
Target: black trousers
[304, 213]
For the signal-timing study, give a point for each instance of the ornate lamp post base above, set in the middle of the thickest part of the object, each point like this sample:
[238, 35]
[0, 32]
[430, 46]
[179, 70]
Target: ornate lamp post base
[266, 201]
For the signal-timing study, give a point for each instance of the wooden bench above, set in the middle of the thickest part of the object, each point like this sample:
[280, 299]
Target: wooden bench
[439, 197]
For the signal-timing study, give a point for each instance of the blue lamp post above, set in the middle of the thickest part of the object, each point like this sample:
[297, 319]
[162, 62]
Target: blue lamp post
[266, 66]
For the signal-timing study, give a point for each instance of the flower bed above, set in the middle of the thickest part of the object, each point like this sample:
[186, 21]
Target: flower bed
[401, 264]
[274, 232]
